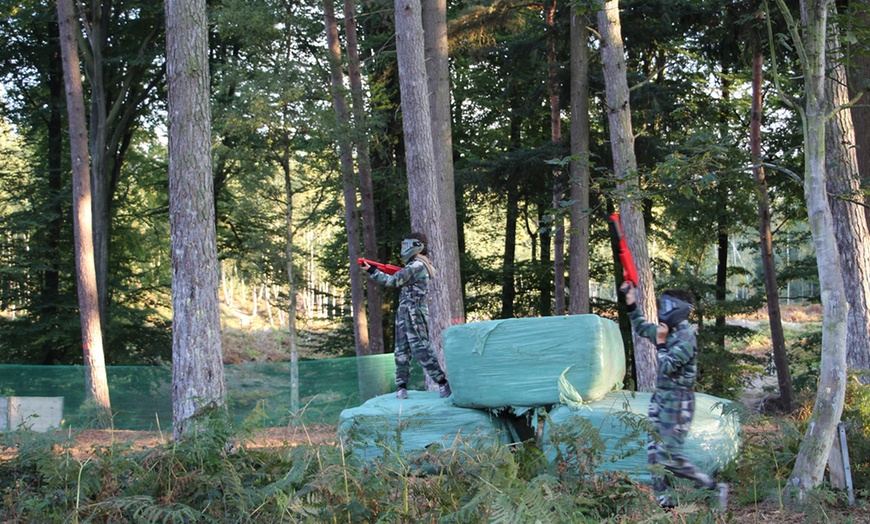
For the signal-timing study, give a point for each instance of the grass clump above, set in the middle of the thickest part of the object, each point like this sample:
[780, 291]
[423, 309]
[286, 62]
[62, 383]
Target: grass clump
[215, 476]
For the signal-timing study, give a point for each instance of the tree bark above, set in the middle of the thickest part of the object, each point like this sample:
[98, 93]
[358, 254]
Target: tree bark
[112, 115]
[578, 271]
[448, 307]
[50, 291]
[625, 170]
[351, 213]
[96, 382]
[558, 224]
[859, 82]
[198, 386]
[845, 198]
[367, 199]
[423, 186]
[822, 426]
[777, 337]
[291, 281]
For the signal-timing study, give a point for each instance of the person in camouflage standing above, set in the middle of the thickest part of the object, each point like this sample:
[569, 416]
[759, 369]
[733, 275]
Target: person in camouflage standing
[412, 316]
[672, 406]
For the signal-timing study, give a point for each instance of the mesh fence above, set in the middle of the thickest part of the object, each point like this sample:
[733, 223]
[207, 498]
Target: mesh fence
[141, 396]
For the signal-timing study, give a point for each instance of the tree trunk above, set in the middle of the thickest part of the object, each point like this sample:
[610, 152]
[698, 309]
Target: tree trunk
[545, 282]
[625, 169]
[447, 288]
[822, 426]
[423, 186]
[367, 199]
[859, 82]
[351, 214]
[844, 197]
[96, 383]
[112, 117]
[509, 260]
[97, 36]
[291, 284]
[50, 292]
[578, 271]
[558, 187]
[198, 386]
[777, 337]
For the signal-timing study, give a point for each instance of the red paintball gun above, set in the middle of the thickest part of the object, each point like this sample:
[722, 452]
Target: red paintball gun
[386, 268]
[629, 270]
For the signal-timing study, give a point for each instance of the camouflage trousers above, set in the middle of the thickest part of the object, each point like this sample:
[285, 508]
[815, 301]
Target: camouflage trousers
[412, 340]
[671, 413]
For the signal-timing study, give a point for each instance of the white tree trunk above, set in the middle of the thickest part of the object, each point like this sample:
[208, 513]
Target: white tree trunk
[812, 456]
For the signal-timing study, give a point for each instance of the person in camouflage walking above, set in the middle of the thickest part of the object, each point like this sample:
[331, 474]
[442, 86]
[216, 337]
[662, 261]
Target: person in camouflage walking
[672, 406]
[412, 316]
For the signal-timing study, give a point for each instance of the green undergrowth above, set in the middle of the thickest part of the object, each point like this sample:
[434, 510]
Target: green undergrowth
[214, 477]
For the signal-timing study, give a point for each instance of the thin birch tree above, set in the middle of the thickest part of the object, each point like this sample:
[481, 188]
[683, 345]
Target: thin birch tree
[809, 37]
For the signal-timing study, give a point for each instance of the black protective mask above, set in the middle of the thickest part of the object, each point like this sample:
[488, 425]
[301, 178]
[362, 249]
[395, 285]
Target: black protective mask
[672, 310]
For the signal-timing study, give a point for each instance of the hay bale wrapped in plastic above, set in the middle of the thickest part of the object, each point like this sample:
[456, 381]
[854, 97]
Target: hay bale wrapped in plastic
[615, 430]
[519, 362]
[423, 421]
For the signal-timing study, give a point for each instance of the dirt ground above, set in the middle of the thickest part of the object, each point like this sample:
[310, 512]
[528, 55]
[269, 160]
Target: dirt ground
[270, 438]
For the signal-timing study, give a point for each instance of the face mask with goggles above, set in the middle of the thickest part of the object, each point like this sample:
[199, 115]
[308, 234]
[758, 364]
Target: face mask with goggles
[672, 310]
[410, 248]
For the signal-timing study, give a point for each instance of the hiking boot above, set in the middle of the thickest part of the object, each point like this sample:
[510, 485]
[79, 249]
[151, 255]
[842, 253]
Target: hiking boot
[722, 489]
[401, 393]
[444, 390]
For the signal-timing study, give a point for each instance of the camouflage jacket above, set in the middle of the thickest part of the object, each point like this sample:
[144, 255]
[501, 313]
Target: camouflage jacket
[413, 280]
[677, 361]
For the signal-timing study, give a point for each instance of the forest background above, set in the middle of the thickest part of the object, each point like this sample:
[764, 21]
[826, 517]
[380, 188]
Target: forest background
[278, 185]
[274, 137]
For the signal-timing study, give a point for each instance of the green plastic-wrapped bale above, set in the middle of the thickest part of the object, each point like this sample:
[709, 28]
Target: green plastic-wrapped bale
[620, 420]
[520, 362]
[386, 424]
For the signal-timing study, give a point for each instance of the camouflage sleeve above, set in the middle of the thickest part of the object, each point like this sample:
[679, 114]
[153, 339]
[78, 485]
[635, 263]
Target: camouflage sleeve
[678, 351]
[641, 326]
[401, 277]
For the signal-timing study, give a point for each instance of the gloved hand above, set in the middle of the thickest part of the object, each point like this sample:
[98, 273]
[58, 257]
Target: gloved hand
[629, 294]
[662, 333]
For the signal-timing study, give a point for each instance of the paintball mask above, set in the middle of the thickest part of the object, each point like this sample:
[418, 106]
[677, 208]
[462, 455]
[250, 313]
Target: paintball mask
[410, 248]
[672, 310]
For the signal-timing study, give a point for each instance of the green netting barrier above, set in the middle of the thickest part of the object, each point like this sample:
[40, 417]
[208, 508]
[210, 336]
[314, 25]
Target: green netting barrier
[141, 396]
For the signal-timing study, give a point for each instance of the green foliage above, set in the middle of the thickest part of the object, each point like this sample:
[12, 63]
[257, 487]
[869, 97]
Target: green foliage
[804, 357]
[856, 418]
[214, 477]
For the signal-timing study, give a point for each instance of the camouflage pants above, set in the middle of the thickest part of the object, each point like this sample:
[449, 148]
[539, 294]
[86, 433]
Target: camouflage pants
[671, 414]
[412, 340]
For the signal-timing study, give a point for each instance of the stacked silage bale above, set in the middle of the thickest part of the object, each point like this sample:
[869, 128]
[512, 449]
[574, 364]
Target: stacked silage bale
[508, 375]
